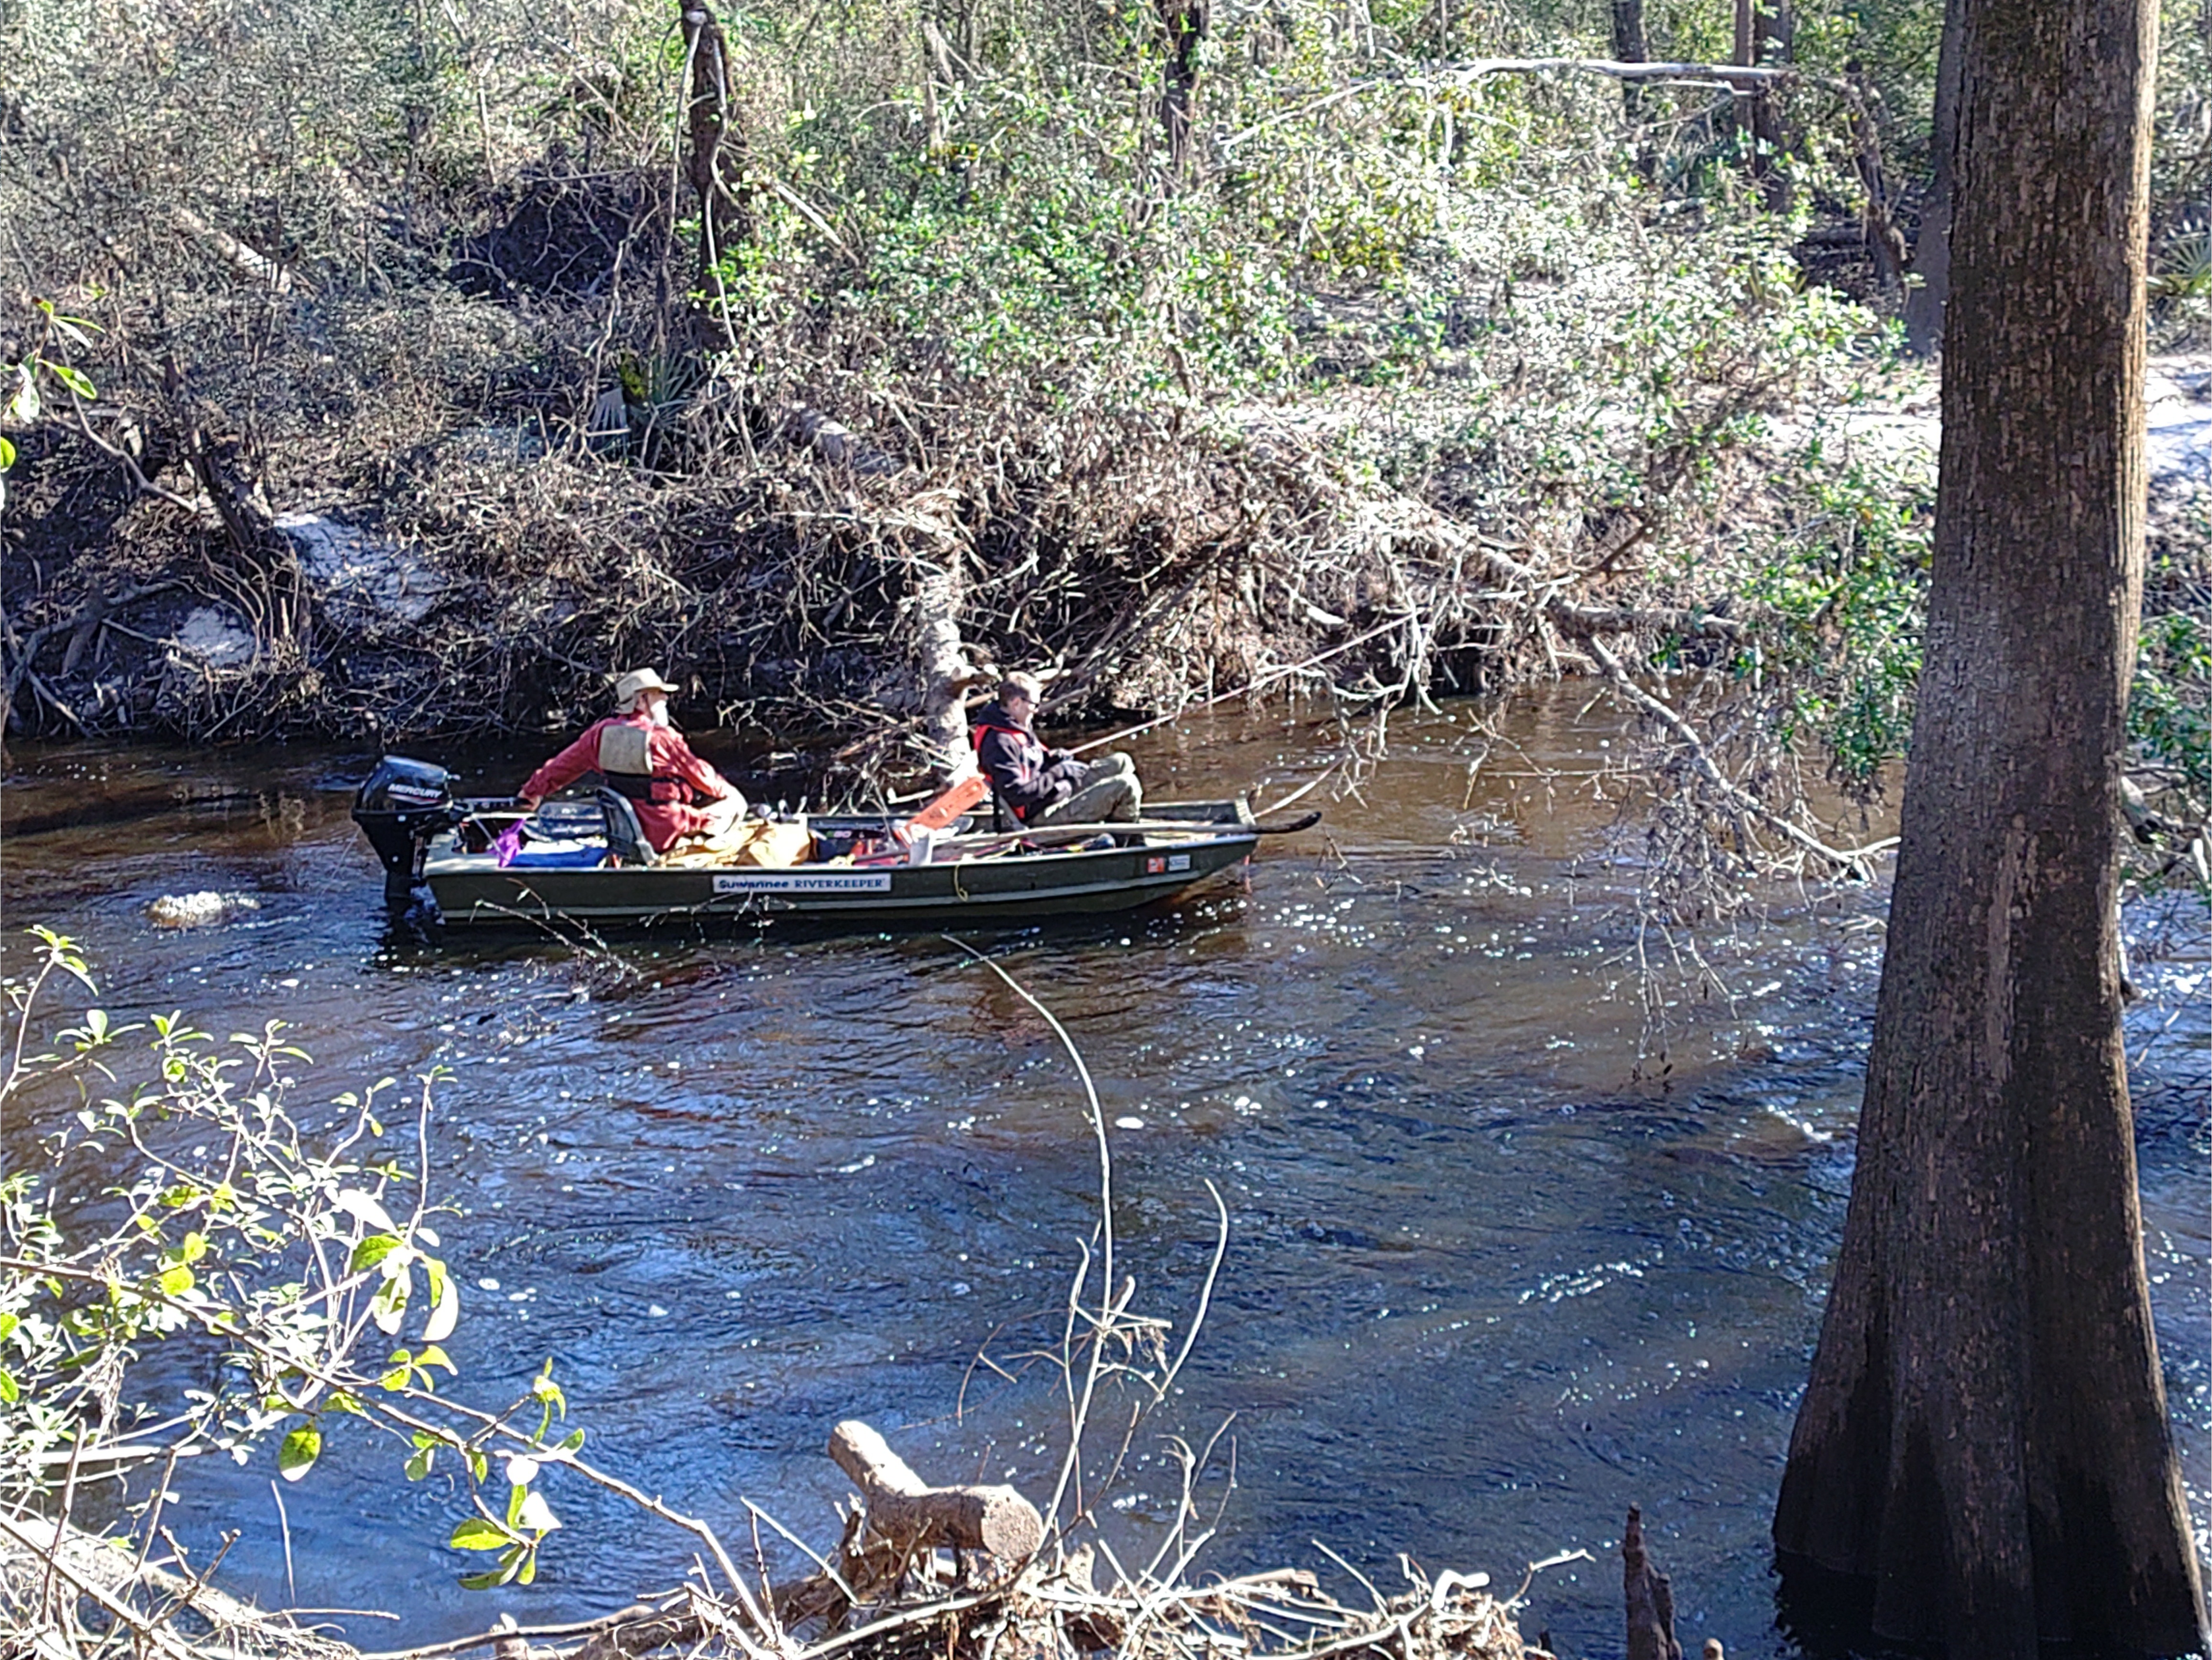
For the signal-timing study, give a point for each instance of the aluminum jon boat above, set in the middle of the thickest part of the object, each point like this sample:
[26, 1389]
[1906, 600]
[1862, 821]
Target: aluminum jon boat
[457, 861]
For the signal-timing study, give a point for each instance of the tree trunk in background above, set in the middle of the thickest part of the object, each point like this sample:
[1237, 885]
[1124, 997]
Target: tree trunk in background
[1773, 32]
[1931, 251]
[716, 165]
[1630, 46]
[1985, 1438]
[937, 550]
[945, 672]
[1883, 240]
[1183, 22]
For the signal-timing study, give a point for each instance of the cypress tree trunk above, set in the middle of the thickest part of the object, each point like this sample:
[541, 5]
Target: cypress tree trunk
[1984, 1437]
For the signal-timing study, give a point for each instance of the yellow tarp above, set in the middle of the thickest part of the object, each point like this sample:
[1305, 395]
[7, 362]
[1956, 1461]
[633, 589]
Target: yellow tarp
[754, 841]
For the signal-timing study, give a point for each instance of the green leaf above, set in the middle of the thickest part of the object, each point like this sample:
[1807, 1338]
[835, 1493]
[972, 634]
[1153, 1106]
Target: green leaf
[514, 1498]
[73, 328]
[474, 1533]
[73, 379]
[388, 1308]
[371, 1251]
[298, 1454]
[175, 1281]
[418, 1463]
[432, 1355]
[529, 1568]
[574, 1442]
[535, 1515]
[341, 1402]
[444, 1303]
[363, 1208]
[10, 1391]
[7, 455]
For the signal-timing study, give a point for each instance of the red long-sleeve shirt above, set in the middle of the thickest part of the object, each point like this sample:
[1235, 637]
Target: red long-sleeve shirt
[663, 822]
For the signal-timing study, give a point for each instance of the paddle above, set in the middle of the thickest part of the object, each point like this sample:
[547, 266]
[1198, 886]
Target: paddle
[1060, 834]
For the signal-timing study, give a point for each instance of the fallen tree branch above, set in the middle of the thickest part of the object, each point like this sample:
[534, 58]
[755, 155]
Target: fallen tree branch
[1739, 77]
[83, 1560]
[1404, 518]
[1248, 689]
[139, 481]
[1855, 860]
[247, 261]
[636, 1613]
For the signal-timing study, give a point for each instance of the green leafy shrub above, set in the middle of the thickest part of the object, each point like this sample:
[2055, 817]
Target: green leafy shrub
[188, 1213]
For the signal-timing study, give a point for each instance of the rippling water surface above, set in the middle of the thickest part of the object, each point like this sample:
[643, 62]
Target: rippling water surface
[1490, 1280]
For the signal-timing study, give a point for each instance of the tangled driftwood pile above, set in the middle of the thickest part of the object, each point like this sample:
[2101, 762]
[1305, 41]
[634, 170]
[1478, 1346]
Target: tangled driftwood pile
[968, 1573]
[949, 1573]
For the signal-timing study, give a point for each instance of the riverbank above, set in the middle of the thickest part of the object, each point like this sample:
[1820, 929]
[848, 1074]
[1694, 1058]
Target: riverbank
[493, 588]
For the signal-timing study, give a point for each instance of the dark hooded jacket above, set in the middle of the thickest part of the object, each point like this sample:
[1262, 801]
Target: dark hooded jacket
[1029, 777]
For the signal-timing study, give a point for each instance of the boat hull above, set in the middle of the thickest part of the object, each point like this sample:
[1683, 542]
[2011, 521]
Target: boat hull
[472, 891]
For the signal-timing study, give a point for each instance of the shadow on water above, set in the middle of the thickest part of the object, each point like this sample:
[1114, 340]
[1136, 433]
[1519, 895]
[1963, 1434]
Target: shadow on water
[1483, 1290]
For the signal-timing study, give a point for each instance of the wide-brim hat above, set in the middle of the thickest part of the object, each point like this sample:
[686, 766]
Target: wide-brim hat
[638, 680]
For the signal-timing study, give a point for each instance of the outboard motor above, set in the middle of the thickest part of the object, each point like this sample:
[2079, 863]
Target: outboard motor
[400, 806]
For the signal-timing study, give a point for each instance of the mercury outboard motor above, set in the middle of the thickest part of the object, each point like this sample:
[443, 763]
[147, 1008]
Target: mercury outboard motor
[400, 806]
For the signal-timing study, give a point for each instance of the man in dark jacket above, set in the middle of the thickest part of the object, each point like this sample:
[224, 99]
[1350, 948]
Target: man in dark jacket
[1044, 786]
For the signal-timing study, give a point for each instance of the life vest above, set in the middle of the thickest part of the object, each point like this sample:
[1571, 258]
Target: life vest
[625, 761]
[982, 729]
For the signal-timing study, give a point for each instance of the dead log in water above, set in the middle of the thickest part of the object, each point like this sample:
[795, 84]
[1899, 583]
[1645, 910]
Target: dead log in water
[904, 1508]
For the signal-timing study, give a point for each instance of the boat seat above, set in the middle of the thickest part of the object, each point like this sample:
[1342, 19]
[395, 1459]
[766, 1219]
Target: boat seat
[625, 835]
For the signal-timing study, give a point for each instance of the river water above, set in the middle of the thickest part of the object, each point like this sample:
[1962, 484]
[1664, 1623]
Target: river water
[1505, 1257]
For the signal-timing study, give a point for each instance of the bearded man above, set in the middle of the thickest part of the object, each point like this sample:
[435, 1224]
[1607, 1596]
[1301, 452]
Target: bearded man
[641, 754]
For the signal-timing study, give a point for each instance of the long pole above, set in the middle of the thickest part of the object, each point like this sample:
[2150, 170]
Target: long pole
[1245, 690]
